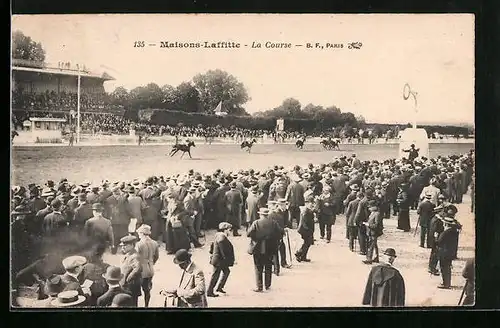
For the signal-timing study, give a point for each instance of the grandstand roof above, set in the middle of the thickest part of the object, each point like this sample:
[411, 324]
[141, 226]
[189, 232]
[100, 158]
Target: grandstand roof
[60, 71]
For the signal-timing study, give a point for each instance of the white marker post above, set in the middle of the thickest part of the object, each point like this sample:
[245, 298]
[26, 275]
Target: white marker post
[415, 136]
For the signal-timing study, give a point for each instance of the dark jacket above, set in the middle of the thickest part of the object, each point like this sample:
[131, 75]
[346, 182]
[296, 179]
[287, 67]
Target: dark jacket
[264, 234]
[446, 242]
[295, 194]
[306, 223]
[106, 299]
[83, 213]
[385, 287]
[425, 211]
[222, 251]
[435, 226]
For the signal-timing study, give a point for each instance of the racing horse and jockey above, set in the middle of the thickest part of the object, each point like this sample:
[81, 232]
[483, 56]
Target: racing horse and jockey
[185, 148]
[248, 144]
[300, 142]
[330, 144]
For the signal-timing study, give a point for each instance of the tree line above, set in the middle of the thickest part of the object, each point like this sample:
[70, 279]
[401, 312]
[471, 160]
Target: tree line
[193, 103]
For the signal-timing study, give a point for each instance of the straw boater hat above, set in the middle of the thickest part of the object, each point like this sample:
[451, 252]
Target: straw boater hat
[68, 298]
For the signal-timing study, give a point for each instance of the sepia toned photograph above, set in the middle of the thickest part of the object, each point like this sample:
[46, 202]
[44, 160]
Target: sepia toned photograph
[175, 161]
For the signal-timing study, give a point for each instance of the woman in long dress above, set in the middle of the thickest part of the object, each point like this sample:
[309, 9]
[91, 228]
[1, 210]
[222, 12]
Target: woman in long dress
[177, 236]
[404, 208]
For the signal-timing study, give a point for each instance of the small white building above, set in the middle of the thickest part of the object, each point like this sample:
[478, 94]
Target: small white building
[46, 129]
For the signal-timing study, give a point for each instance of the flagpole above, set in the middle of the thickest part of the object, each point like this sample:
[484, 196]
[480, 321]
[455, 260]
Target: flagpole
[78, 109]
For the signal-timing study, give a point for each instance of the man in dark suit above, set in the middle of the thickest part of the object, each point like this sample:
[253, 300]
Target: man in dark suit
[469, 289]
[280, 216]
[361, 216]
[352, 228]
[221, 257]
[425, 211]
[264, 234]
[120, 214]
[103, 196]
[435, 229]
[306, 229]
[234, 201]
[445, 244]
[113, 276]
[295, 197]
[82, 213]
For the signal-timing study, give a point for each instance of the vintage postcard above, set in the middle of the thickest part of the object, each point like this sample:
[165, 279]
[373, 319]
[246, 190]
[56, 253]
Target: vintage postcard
[242, 161]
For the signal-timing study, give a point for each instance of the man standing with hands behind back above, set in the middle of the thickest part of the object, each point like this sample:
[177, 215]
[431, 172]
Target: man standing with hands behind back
[264, 234]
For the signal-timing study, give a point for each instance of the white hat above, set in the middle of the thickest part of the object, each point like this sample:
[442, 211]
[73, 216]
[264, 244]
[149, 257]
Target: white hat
[72, 262]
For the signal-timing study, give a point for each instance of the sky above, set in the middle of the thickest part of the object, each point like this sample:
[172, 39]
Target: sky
[434, 54]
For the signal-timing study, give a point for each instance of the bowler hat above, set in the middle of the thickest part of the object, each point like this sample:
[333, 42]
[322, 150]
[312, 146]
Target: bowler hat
[68, 298]
[451, 210]
[113, 273]
[182, 256]
[390, 252]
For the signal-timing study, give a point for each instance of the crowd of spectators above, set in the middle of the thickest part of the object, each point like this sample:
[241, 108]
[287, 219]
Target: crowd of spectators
[51, 100]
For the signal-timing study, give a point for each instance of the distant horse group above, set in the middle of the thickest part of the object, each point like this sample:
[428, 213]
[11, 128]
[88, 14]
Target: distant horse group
[300, 143]
[330, 144]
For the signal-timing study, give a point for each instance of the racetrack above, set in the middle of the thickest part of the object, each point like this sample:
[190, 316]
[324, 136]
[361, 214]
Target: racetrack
[31, 164]
[335, 277]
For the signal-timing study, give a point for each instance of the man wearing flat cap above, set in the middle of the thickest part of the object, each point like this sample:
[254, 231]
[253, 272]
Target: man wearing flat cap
[148, 250]
[306, 229]
[385, 286]
[264, 235]
[131, 268]
[73, 278]
[191, 290]
[221, 257]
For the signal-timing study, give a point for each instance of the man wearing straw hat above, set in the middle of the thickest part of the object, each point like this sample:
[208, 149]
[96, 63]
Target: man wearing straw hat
[264, 234]
[445, 245]
[69, 298]
[148, 250]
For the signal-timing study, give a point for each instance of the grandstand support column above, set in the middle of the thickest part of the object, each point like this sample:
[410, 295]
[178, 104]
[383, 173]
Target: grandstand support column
[78, 108]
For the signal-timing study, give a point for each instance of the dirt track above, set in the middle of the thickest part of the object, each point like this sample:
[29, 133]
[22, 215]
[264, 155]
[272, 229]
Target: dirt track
[334, 278]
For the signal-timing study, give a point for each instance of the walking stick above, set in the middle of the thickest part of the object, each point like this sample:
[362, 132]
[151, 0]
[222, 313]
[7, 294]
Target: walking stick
[416, 227]
[463, 293]
[289, 247]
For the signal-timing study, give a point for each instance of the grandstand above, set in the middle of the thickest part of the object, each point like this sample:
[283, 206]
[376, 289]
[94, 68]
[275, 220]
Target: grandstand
[47, 87]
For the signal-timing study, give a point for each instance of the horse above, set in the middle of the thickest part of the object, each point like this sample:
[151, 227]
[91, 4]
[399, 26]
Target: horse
[248, 144]
[300, 143]
[185, 148]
